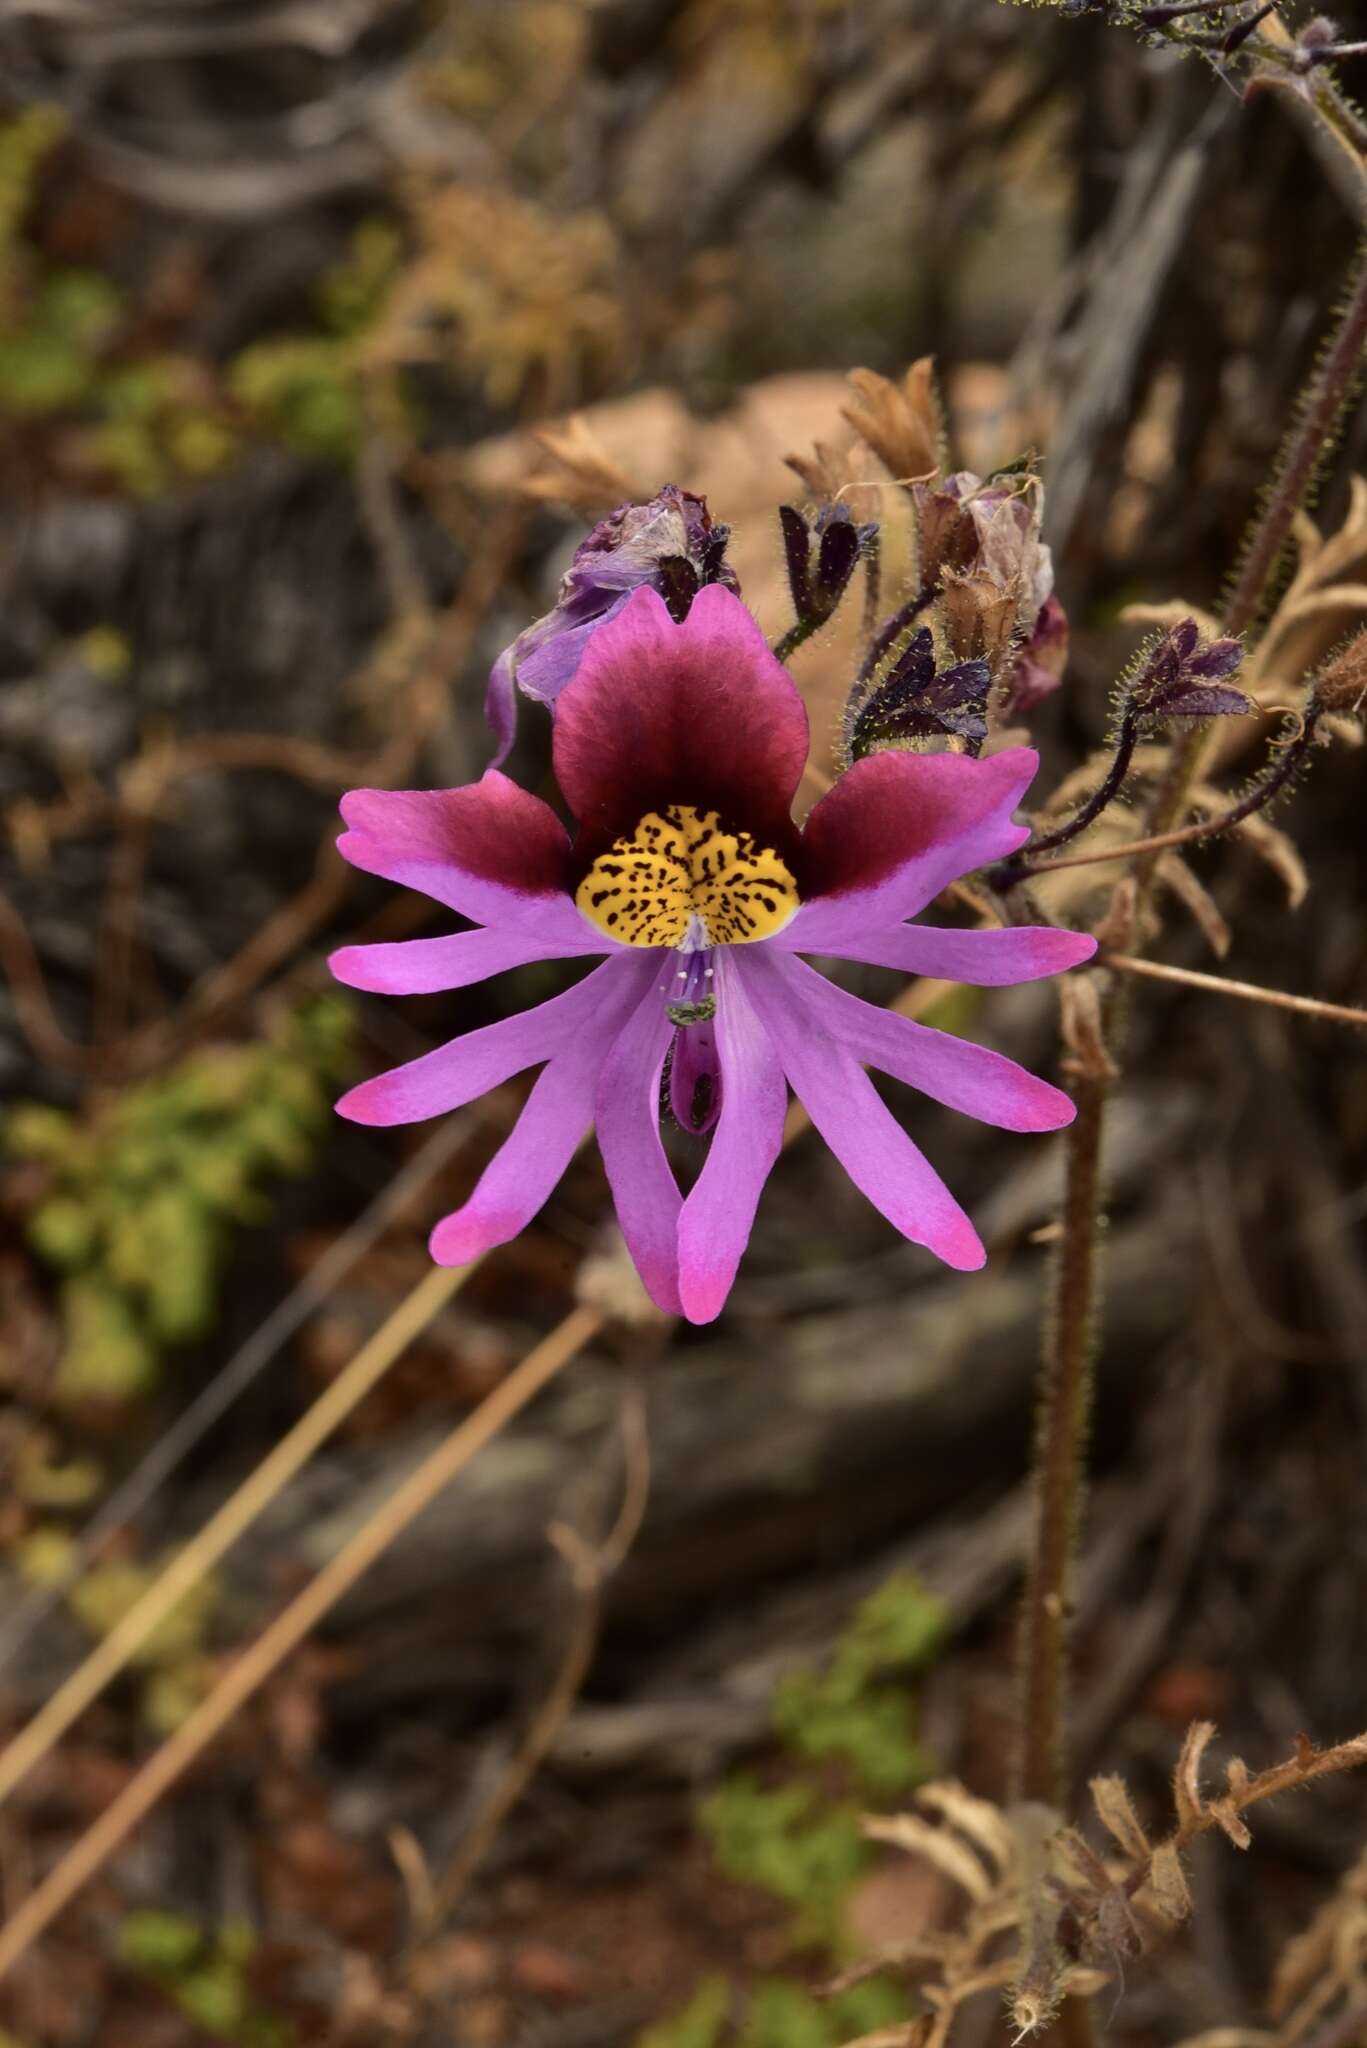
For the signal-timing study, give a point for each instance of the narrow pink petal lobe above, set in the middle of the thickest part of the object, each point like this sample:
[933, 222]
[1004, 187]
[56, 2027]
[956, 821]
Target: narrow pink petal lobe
[489, 850]
[420, 967]
[990, 959]
[716, 1220]
[627, 1115]
[970, 1078]
[698, 713]
[468, 1067]
[895, 830]
[524, 1171]
[862, 1132]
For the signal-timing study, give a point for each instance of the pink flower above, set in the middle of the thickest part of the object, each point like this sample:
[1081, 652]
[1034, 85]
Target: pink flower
[678, 749]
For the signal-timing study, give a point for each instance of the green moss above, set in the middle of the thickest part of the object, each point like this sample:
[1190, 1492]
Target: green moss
[144, 1201]
[803, 1850]
[207, 1978]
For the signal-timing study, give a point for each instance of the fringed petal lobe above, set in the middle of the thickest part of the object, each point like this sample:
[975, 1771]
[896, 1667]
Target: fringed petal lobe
[627, 1116]
[716, 1220]
[858, 1126]
[524, 1171]
[421, 967]
[468, 1067]
[987, 959]
[969, 1078]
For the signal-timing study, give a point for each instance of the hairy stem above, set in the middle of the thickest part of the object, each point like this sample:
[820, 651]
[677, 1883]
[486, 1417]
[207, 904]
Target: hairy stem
[1060, 1444]
[1330, 390]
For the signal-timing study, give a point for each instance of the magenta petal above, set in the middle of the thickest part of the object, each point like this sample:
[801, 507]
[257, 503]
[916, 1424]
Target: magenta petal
[464, 1068]
[716, 1219]
[895, 830]
[698, 713]
[489, 850]
[422, 967]
[628, 1121]
[862, 1132]
[555, 1117]
[991, 959]
[963, 1076]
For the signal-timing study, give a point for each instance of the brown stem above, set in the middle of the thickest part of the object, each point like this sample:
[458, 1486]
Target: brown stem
[1330, 389]
[1064, 1415]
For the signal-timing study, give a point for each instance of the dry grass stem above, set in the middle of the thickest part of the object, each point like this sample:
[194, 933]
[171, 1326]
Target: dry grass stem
[100, 1841]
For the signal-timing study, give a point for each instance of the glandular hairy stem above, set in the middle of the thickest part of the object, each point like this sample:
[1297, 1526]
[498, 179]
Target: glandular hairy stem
[1060, 1454]
[1041, 1765]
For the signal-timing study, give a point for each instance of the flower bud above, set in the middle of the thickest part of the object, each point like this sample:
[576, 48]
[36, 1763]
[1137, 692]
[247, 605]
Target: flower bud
[821, 554]
[1183, 677]
[914, 701]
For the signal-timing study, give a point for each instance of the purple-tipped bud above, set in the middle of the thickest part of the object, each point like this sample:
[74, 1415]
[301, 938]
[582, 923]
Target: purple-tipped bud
[670, 543]
[821, 554]
[1182, 678]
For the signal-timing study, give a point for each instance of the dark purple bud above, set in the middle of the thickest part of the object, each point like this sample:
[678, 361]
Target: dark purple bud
[678, 584]
[1182, 677]
[839, 550]
[821, 554]
[914, 702]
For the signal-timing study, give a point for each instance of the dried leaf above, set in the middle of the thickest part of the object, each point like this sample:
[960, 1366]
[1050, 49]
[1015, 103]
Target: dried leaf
[586, 476]
[1192, 893]
[1273, 845]
[1226, 1816]
[902, 423]
[1167, 1883]
[937, 1845]
[1186, 1783]
[910, 2034]
[984, 1824]
[1080, 1005]
[1116, 1813]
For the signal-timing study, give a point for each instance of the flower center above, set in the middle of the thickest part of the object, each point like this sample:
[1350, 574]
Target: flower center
[680, 880]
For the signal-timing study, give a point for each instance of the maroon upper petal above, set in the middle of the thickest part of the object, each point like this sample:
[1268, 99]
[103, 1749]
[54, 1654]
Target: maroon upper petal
[897, 827]
[489, 849]
[698, 713]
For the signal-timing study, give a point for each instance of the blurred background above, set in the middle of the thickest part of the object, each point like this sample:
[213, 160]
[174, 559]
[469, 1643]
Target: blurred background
[285, 286]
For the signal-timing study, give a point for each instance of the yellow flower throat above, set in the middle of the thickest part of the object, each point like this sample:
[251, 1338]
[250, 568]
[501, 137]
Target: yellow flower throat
[679, 870]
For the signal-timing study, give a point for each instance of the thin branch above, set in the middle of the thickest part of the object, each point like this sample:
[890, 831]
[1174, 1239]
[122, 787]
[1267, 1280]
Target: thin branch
[1246, 991]
[411, 1497]
[242, 1370]
[116, 1650]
